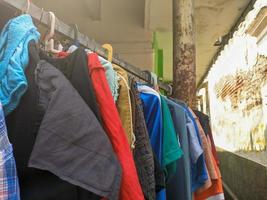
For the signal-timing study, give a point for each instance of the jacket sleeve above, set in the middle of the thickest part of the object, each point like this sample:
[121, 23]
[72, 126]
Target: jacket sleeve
[71, 143]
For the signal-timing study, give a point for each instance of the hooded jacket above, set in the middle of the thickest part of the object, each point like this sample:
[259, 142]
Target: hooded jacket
[14, 58]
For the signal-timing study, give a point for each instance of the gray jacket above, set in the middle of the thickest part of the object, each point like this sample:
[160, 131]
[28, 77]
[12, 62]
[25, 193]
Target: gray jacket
[71, 143]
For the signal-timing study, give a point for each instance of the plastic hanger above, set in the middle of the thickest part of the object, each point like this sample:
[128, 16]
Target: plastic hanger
[49, 41]
[75, 44]
[76, 33]
[109, 48]
[154, 78]
[150, 79]
[26, 11]
[170, 90]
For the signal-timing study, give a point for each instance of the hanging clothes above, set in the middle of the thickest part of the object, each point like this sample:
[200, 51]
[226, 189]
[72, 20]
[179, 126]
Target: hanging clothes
[159, 175]
[199, 174]
[124, 104]
[14, 58]
[9, 185]
[55, 109]
[74, 67]
[130, 186]
[150, 119]
[112, 77]
[199, 167]
[143, 154]
[194, 143]
[171, 147]
[215, 190]
[149, 90]
[23, 125]
[73, 144]
[63, 54]
[217, 197]
[179, 186]
[207, 149]
[205, 123]
[111, 74]
[153, 117]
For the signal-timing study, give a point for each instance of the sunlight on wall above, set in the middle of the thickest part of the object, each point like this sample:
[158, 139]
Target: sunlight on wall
[237, 85]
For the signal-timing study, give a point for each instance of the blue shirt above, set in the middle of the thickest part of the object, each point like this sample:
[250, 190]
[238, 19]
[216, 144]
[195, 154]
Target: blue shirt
[179, 186]
[14, 57]
[199, 174]
[153, 117]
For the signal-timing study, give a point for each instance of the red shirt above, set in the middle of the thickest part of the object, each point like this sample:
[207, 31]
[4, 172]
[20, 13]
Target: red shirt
[130, 186]
[62, 54]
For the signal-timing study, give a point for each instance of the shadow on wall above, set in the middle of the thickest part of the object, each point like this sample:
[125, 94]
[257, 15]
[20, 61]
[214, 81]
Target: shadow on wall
[246, 179]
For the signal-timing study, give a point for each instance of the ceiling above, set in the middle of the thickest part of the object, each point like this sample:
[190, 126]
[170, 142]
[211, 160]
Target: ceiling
[213, 18]
[129, 24]
[118, 22]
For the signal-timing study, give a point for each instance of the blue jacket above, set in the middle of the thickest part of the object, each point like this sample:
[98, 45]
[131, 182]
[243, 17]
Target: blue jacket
[14, 58]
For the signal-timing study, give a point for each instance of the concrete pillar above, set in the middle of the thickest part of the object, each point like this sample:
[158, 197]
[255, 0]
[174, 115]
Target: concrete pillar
[184, 52]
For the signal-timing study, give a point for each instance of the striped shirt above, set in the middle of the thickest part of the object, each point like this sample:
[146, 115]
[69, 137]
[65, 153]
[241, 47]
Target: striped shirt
[9, 187]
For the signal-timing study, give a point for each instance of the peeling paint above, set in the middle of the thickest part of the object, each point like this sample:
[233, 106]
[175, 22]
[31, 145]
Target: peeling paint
[237, 86]
[184, 52]
[185, 81]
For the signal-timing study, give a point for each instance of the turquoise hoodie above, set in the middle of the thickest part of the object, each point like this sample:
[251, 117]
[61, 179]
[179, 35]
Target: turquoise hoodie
[14, 58]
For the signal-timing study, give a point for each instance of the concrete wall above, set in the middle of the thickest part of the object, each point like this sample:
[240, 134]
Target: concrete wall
[246, 179]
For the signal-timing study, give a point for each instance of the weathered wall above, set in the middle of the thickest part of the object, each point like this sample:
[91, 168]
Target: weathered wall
[238, 120]
[237, 86]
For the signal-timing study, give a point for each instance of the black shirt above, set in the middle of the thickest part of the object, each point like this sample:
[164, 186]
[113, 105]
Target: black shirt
[23, 125]
[74, 67]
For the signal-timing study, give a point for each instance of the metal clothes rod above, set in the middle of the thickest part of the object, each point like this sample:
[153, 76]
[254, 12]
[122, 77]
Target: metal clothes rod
[41, 16]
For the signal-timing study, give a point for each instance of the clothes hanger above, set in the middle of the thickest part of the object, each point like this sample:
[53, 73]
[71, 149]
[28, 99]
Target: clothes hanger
[49, 41]
[150, 79]
[93, 50]
[76, 33]
[109, 48]
[170, 89]
[154, 78]
[28, 4]
[75, 44]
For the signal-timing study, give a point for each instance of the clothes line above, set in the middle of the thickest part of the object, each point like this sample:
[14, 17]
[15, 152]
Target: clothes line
[42, 17]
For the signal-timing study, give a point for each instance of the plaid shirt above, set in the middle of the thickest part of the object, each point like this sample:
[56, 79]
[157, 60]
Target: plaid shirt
[9, 187]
